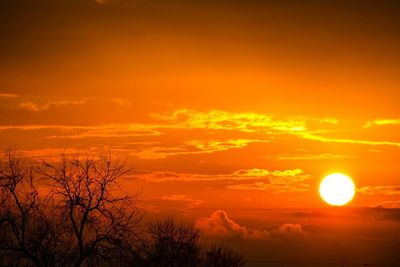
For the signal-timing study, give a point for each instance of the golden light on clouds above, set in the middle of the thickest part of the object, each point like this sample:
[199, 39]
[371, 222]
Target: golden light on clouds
[230, 111]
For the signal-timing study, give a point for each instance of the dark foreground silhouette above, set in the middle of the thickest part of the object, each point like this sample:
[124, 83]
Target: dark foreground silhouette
[72, 213]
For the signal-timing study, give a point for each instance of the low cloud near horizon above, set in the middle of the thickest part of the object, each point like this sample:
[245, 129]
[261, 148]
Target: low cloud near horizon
[220, 224]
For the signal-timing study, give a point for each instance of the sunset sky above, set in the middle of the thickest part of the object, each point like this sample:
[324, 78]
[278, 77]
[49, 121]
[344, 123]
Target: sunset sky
[231, 112]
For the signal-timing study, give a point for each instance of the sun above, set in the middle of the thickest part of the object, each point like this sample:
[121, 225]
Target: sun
[337, 189]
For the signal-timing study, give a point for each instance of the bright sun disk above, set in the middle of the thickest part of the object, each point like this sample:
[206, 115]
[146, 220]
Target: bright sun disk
[337, 189]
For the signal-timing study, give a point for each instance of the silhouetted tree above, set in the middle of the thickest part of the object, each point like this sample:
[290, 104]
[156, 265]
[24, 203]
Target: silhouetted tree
[168, 244]
[86, 195]
[172, 245]
[220, 256]
[73, 213]
[82, 219]
[19, 213]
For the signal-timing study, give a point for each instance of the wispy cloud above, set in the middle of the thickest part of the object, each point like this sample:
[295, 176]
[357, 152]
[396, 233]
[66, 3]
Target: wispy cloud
[178, 202]
[261, 186]
[51, 153]
[265, 173]
[77, 131]
[380, 190]
[321, 156]
[222, 120]
[279, 176]
[277, 181]
[207, 132]
[392, 204]
[280, 181]
[349, 141]
[32, 106]
[191, 148]
[382, 122]
[107, 131]
[158, 150]
[123, 102]
[261, 123]
[8, 95]
[211, 146]
[274, 187]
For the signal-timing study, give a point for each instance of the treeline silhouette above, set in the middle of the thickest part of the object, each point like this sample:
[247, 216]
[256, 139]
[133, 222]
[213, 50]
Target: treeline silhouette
[73, 213]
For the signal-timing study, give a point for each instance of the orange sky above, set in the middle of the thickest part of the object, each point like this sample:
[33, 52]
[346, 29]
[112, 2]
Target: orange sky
[230, 110]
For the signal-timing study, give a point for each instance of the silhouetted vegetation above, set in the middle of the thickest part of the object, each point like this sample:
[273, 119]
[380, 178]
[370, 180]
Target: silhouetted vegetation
[168, 244]
[73, 213]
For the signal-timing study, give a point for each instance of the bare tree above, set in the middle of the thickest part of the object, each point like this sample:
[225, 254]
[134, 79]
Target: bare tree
[98, 215]
[83, 219]
[173, 245]
[73, 212]
[169, 244]
[220, 256]
[18, 208]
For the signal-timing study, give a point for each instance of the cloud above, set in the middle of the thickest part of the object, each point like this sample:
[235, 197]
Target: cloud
[218, 145]
[222, 120]
[35, 107]
[277, 181]
[185, 198]
[280, 181]
[380, 190]
[168, 176]
[219, 224]
[205, 132]
[264, 172]
[51, 153]
[257, 128]
[394, 204]
[180, 202]
[192, 147]
[32, 127]
[79, 132]
[8, 95]
[379, 212]
[382, 122]
[277, 188]
[287, 230]
[158, 150]
[107, 131]
[261, 186]
[259, 123]
[309, 156]
[278, 176]
[211, 146]
[348, 141]
[121, 101]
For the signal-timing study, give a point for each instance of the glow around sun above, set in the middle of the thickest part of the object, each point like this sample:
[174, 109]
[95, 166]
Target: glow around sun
[337, 189]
